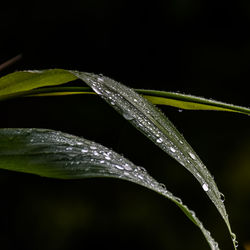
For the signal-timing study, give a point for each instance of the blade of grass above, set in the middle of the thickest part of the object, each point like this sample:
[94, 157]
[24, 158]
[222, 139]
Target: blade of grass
[154, 124]
[30, 82]
[55, 154]
[138, 111]
[190, 102]
[17, 83]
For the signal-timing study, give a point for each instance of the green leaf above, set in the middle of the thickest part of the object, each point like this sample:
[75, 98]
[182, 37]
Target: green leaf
[177, 100]
[55, 154]
[27, 83]
[18, 83]
[141, 113]
[190, 102]
[154, 124]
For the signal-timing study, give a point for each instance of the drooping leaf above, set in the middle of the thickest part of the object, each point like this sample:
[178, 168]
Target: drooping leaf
[55, 154]
[155, 125]
[140, 113]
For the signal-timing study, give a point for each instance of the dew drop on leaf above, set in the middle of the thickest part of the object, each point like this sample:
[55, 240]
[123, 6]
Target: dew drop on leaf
[119, 167]
[127, 167]
[159, 140]
[172, 149]
[192, 155]
[127, 116]
[222, 197]
[205, 187]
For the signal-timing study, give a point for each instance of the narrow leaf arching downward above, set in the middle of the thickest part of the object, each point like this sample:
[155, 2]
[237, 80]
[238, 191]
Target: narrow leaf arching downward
[55, 154]
[155, 125]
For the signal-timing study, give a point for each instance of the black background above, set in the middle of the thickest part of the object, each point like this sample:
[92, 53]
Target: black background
[194, 47]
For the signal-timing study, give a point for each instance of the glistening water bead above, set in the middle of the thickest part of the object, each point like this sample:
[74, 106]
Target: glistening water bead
[156, 127]
[159, 140]
[172, 149]
[192, 155]
[127, 116]
[205, 187]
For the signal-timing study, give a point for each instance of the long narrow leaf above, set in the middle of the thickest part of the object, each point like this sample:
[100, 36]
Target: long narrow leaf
[155, 125]
[177, 100]
[139, 112]
[55, 154]
[28, 82]
[18, 83]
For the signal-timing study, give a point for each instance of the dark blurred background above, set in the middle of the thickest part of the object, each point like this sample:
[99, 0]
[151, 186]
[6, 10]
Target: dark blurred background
[196, 47]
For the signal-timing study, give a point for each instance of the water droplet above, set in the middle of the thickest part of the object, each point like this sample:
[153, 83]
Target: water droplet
[96, 89]
[198, 175]
[172, 149]
[119, 167]
[222, 197]
[192, 213]
[180, 110]
[142, 169]
[162, 186]
[112, 103]
[100, 79]
[96, 153]
[93, 147]
[205, 187]
[102, 161]
[79, 143]
[140, 176]
[127, 116]
[192, 155]
[107, 157]
[32, 140]
[159, 140]
[127, 167]
[84, 150]
[235, 243]
[179, 200]
[69, 148]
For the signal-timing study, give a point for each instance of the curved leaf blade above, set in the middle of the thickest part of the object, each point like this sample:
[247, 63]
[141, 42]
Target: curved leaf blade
[23, 83]
[55, 154]
[65, 76]
[154, 124]
[176, 100]
[190, 102]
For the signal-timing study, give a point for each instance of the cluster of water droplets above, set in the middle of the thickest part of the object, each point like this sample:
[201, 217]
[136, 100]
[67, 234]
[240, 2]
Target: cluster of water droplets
[154, 124]
[83, 158]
